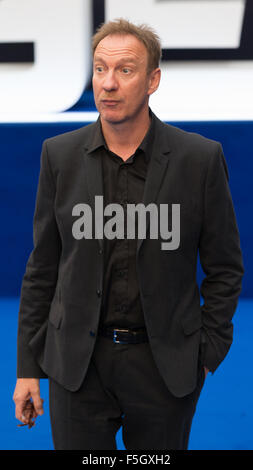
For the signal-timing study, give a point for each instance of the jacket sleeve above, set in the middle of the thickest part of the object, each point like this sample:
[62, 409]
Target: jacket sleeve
[41, 272]
[221, 260]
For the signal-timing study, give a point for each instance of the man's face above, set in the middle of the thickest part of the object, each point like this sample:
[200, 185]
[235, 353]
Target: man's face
[121, 84]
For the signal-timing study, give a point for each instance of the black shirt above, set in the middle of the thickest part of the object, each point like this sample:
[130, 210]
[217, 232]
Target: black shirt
[123, 183]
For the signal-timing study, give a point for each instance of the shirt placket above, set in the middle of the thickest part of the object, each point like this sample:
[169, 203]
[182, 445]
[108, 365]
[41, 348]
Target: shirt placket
[120, 271]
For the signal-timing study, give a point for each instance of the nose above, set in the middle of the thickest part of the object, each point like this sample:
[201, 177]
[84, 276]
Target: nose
[110, 82]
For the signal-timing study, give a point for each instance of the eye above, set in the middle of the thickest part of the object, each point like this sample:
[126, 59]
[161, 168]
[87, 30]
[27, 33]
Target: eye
[126, 70]
[99, 68]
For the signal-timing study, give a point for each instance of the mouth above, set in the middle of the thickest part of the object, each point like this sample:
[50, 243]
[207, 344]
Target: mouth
[110, 102]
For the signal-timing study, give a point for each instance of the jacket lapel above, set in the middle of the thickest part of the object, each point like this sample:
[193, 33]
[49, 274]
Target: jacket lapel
[94, 180]
[156, 171]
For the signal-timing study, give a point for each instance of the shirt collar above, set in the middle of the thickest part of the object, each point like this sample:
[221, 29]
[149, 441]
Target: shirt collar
[97, 141]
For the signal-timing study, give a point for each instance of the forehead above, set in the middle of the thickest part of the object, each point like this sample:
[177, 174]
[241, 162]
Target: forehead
[120, 46]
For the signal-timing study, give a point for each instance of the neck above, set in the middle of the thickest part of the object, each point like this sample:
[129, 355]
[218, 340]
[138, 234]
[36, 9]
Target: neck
[125, 137]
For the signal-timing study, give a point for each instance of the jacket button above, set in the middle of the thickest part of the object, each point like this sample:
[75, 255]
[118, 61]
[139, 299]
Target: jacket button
[99, 293]
[92, 333]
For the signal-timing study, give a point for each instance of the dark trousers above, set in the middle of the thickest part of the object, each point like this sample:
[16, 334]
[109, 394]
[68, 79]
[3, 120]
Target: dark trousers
[122, 387]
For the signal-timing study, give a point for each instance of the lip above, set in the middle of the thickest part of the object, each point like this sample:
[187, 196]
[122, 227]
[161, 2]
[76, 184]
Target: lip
[110, 102]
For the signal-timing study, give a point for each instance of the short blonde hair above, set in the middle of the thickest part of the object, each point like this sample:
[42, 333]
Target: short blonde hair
[143, 32]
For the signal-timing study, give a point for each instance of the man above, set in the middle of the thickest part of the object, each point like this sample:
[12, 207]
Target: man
[116, 323]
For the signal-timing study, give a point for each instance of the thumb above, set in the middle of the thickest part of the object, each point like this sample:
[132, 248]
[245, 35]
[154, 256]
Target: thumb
[37, 403]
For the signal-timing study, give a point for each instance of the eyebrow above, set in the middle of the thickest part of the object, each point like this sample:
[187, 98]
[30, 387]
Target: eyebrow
[123, 60]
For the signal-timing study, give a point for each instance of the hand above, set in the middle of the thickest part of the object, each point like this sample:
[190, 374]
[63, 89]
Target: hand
[206, 371]
[28, 402]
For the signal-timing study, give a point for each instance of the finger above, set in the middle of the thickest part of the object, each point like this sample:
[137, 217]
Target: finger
[35, 413]
[24, 419]
[28, 410]
[28, 413]
[32, 412]
[37, 403]
[20, 407]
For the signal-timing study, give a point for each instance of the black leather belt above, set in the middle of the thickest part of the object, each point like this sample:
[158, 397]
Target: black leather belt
[124, 335]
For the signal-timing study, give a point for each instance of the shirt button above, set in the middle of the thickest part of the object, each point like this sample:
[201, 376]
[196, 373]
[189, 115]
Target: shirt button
[121, 273]
[122, 308]
[100, 251]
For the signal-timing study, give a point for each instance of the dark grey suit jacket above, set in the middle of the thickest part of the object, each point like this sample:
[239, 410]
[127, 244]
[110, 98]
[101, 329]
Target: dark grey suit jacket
[61, 289]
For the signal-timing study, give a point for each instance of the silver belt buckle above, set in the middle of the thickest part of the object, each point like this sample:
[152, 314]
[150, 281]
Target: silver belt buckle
[115, 340]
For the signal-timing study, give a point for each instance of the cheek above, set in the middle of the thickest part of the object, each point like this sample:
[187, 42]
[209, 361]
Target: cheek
[139, 90]
[95, 85]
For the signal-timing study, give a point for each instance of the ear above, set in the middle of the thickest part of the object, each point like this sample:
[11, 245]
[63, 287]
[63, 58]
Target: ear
[154, 80]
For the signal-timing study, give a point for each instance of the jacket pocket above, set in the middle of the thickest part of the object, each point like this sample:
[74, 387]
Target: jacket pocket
[191, 322]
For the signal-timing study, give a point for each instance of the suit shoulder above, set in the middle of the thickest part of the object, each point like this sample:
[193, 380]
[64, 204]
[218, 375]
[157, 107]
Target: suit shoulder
[70, 138]
[190, 149]
[191, 140]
